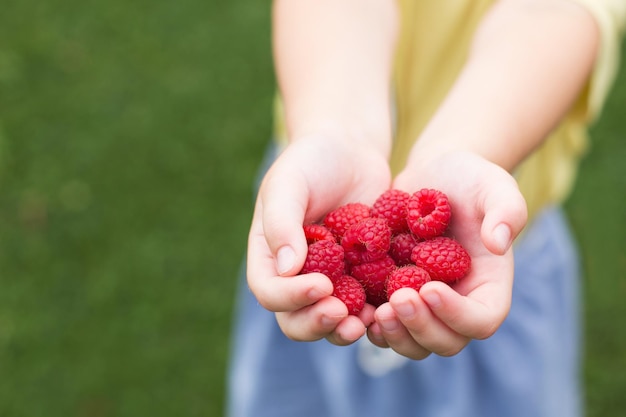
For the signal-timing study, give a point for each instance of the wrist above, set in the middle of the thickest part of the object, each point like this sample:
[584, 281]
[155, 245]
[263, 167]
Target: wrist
[433, 168]
[427, 153]
[500, 147]
[345, 136]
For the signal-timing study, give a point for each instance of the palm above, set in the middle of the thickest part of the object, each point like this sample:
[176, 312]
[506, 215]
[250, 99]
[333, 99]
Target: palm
[472, 186]
[334, 176]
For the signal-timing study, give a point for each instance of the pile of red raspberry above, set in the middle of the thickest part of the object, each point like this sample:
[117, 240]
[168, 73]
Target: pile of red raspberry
[370, 252]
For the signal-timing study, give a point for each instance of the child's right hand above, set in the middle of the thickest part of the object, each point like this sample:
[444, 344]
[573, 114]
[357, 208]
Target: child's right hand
[312, 176]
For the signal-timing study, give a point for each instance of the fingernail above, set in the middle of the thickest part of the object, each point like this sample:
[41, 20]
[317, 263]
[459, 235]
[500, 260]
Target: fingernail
[432, 299]
[285, 258]
[502, 236]
[405, 310]
[315, 294]
[388, 325]
[328, 321]
[375, 334]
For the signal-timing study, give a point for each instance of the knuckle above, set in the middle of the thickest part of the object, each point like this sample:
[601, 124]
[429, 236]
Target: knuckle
[486, 331]
[451, 350]
[415, 354]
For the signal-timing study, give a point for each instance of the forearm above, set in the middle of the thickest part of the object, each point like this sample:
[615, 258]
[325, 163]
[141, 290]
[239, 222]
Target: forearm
[333, 62]
[528, 63]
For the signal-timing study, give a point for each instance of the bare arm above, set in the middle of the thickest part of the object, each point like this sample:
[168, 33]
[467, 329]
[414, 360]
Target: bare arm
[529, 61]
[333, 62]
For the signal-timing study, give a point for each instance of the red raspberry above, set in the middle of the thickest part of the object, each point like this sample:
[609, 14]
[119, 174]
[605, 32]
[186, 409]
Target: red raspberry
[366, 241]
[428, 213]
[372, 276]
[351, 293]
[325, 257]
[401, 248]
[409, 276]
[391, 205]
[315, 232]
[339, 220]
[443, 258]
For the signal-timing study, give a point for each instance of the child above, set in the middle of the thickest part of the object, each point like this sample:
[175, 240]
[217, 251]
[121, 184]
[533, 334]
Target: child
[486, 101]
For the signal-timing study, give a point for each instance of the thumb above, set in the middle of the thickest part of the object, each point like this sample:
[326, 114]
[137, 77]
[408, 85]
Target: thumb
[505, 216]
[283, 201]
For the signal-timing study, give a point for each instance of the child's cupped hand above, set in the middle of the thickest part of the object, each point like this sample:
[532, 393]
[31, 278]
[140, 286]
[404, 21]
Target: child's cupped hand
[488, 212]
[312, 176]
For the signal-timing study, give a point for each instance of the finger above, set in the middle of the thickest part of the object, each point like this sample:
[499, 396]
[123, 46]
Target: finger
[425, 327]
[313, 322]
[282, 206]
[375, 335]
[477, 315]
[396, 335]
[367, 315]
[274, 292]
[348, 331]
[352, 328]
[505, 216]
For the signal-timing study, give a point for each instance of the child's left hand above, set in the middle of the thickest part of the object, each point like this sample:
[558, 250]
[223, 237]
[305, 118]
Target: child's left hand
[488, 212]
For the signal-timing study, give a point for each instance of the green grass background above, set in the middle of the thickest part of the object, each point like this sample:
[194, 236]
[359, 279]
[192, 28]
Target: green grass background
[130, 133]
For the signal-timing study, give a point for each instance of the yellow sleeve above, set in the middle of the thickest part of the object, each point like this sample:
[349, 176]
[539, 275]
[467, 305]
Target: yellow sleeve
[610, 16]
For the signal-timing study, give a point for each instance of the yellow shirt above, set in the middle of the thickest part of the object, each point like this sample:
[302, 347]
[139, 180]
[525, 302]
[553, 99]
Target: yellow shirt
[433, 45]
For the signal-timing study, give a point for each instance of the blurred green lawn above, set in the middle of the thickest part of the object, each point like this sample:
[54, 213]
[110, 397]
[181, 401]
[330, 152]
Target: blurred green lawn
[130, 133]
